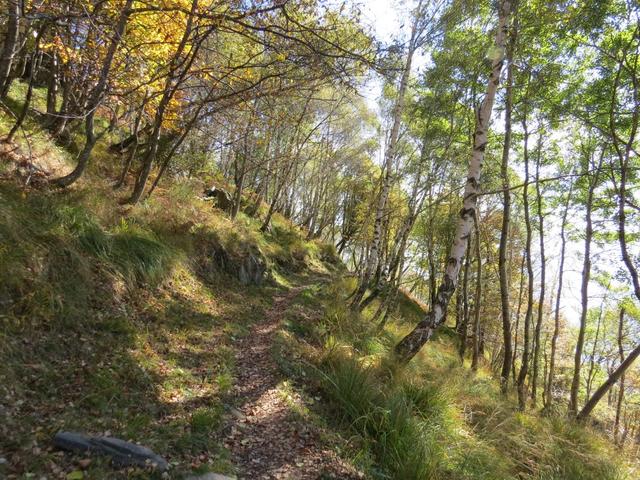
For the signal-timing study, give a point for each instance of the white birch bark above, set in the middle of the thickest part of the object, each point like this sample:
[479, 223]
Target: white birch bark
[411, 344]
[389, 154]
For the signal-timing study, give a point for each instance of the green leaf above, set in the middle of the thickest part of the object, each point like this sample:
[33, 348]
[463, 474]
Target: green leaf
[75, 475]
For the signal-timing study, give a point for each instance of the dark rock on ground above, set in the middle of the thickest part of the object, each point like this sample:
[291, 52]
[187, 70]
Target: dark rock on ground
[210, 476]
[252, 269]
[123, 454]
[221, 197]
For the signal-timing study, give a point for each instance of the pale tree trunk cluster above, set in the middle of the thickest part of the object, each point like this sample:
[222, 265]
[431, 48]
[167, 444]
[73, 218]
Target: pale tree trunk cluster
[411, 344]
[373, 258]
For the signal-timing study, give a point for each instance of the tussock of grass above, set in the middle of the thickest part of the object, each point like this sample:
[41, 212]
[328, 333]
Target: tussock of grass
[435, 419]
[403, 444]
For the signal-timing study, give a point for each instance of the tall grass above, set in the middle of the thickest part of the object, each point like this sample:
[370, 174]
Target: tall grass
[434, 419]
[56, 255]
[405, 446]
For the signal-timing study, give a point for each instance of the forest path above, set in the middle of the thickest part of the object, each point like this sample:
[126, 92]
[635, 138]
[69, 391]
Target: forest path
[266, 439]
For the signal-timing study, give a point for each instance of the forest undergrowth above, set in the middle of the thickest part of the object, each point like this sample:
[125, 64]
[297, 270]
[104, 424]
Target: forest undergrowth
[114, 321]
[434, 418]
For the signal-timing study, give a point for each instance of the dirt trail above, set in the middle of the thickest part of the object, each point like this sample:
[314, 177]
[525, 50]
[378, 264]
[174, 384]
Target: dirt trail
[266, 441]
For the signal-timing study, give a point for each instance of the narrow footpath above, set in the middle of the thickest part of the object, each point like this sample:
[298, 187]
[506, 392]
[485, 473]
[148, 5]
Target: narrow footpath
[266, 440]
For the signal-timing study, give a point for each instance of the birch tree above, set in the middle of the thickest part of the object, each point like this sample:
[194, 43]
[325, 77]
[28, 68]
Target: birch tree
[409, 346]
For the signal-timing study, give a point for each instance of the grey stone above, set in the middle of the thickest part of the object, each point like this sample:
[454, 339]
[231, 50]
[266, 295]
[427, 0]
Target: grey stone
[221, 197]
[252, 269]
[249, 266]
[122, 453]
[210, 476]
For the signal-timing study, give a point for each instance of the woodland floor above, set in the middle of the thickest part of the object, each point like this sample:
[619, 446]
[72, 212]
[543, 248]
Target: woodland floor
[266, 439]
[113, 322]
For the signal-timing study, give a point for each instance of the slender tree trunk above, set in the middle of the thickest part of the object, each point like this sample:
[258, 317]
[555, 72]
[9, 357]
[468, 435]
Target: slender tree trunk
[556, 316]
[239, 176]
[272, 208]
[458, 324]
[240, 168]
[526, 341]
[516, 328]
[543, 268]
[616, 425]
[10, 46]
[431, 261]
[96, 98]
[134, 149]
[60, 121]
[27, 99]
[606, 386]
[462, 332]
[586, 276]
[506, 214]
[413, 342]
[52, 88]
[592, 357]
[623, 151]
[478, 299]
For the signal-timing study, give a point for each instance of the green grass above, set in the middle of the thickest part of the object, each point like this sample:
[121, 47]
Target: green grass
[433, 419]
[107, 322]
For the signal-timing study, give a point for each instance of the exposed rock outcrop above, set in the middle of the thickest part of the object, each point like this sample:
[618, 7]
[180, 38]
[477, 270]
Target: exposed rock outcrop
[248, 265]
[242, 261]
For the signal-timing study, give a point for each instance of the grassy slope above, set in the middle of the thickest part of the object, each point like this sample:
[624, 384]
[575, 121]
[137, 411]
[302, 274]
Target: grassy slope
[112, 321]
[116, 320]
[434, 419]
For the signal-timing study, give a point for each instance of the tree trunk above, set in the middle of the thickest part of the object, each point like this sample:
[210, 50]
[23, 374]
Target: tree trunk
[459, 306]
[411, 344]
[616, 425]
[136, 144]
[52, 88]
[623, 151]
[604, 388]
[516, 328]
[556, 316]
[27, 99]
[506, 213]
[586, 275]
[462, 331]
[476, 311]
[543, 268]
[10, 46]
[524, 367]
[96, 98]
[60, 120]
[592, 357]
